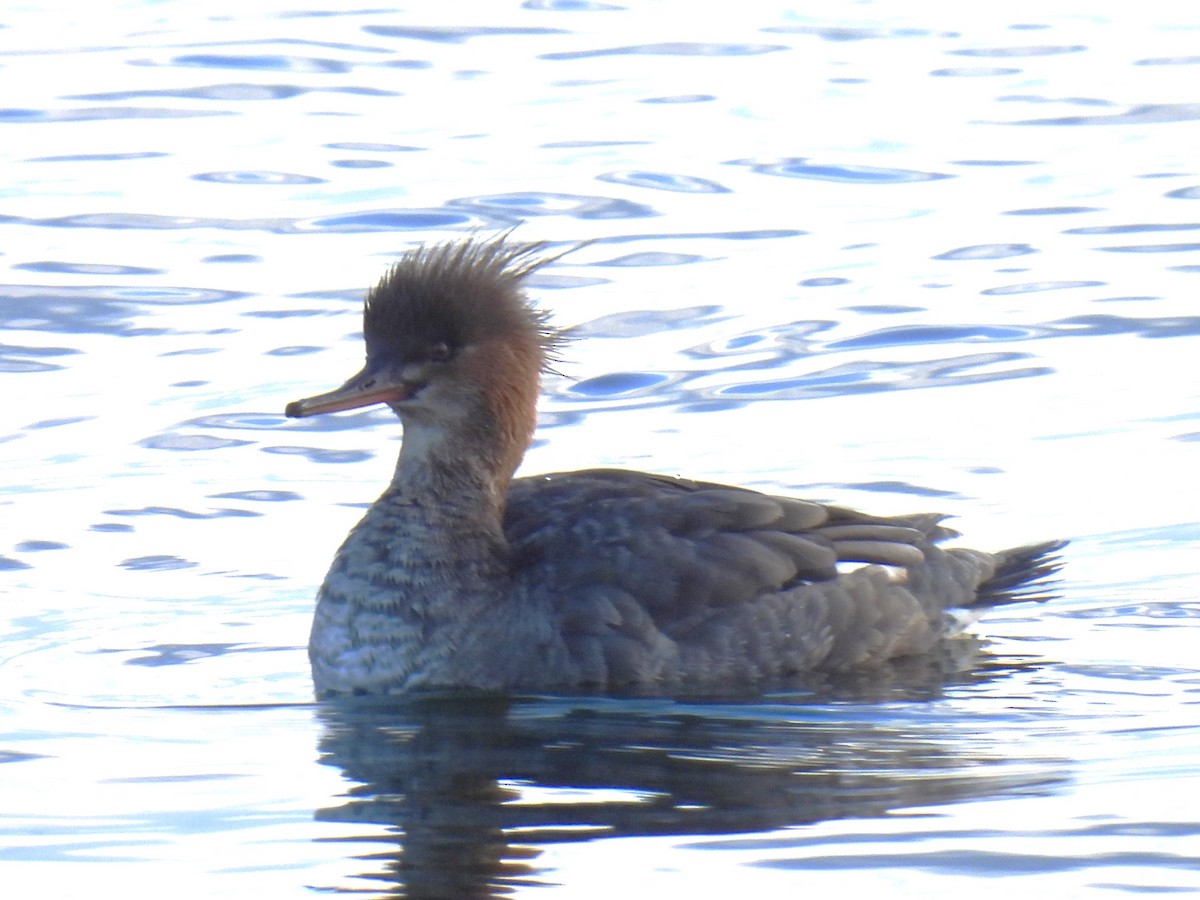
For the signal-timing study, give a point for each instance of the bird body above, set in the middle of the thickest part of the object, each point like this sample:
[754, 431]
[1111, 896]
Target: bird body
[462, 576]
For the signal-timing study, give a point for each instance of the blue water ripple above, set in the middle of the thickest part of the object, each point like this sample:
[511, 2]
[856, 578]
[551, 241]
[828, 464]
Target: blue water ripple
[987, 251]
[318, 455]
[665, 181]
[522, 205]
[800, 167]
[936, 334]
[675, 48]
[1032, 287]
[262, 63]
[257, 178]
[455, 34]
[652, 259]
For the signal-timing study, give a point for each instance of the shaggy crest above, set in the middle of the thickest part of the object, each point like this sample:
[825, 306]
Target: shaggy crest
[459, 294]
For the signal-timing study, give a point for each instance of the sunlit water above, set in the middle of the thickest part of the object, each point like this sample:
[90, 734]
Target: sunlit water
[944, 258]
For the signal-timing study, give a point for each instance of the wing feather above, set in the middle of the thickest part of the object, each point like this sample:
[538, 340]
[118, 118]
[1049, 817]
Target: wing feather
[682, 546]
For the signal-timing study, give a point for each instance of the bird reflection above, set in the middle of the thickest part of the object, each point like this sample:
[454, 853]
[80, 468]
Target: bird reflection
[461, 792]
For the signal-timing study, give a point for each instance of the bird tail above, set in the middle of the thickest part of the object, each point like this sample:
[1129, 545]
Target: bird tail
[1023, 575]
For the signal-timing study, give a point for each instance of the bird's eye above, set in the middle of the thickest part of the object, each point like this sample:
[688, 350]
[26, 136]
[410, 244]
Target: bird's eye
[440, 352]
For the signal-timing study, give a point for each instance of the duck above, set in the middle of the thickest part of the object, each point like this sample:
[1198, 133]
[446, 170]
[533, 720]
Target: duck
[464, 576]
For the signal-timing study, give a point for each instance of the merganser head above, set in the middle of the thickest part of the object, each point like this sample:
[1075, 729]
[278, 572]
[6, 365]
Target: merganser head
[454, 346]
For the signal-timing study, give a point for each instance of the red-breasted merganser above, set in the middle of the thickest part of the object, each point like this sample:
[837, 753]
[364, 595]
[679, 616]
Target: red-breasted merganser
[462, 576]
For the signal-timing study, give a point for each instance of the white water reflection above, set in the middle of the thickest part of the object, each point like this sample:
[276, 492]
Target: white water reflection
[935, 258]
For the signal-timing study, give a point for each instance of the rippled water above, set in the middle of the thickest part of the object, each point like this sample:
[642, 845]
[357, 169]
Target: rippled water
[944, 257]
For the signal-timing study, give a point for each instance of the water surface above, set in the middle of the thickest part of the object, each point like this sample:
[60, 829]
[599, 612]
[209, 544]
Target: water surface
[938, 258]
